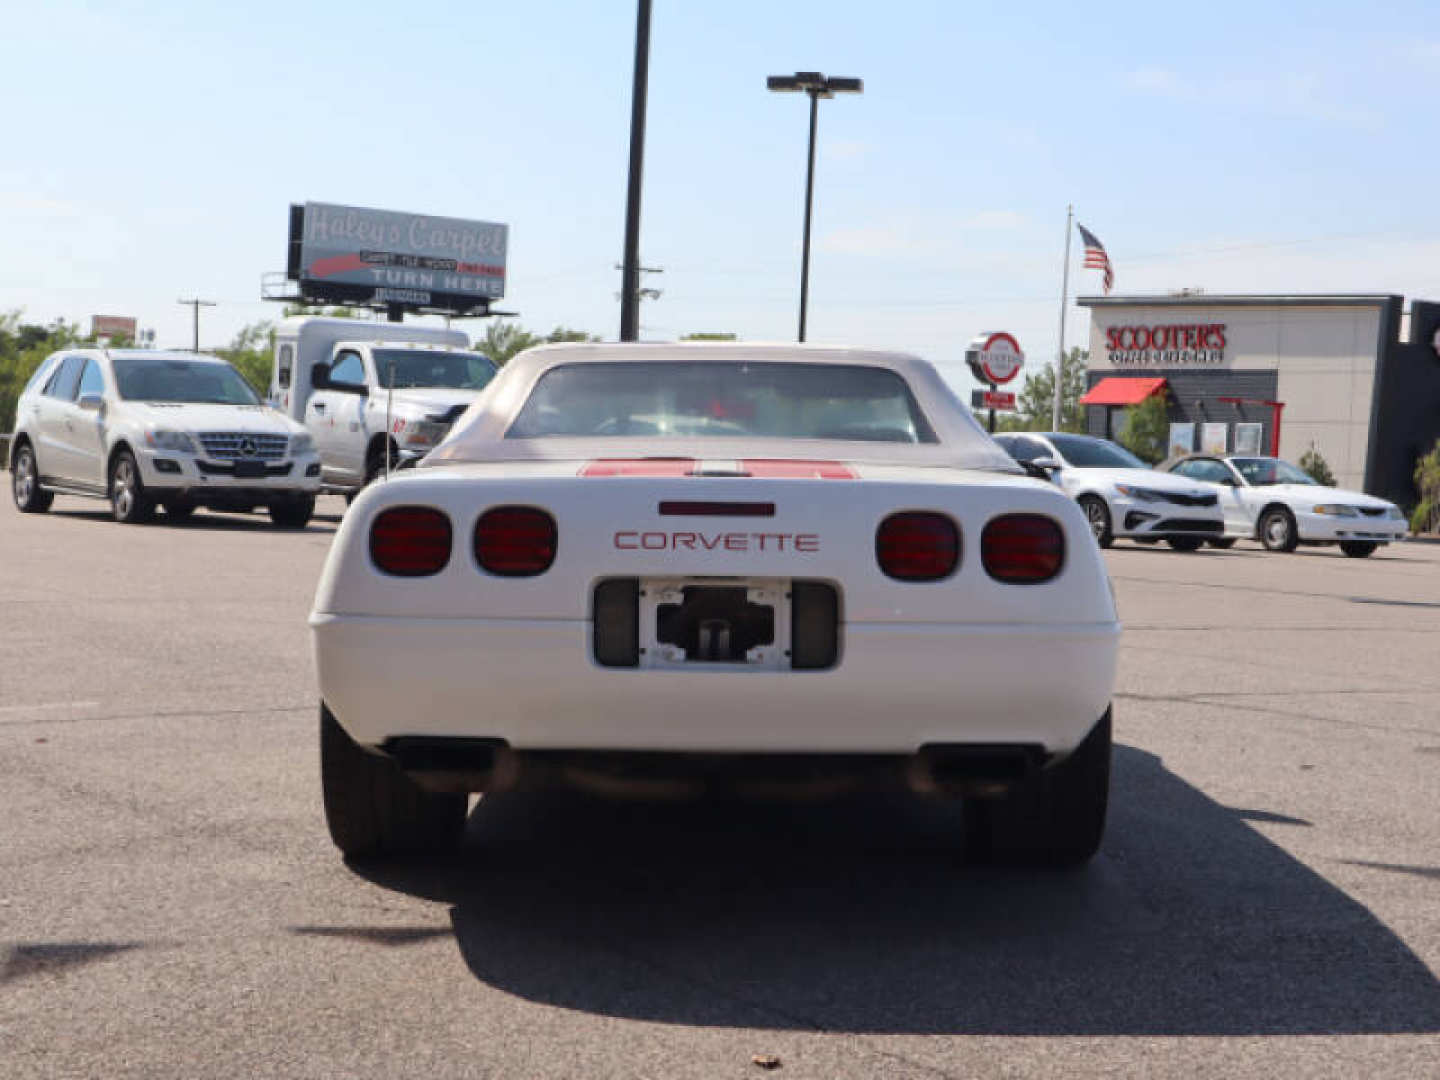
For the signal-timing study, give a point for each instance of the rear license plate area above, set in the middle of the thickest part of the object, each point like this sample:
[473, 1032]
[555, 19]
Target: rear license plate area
[716, 624]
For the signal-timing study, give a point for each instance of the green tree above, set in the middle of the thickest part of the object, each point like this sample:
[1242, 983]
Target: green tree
[1315, 465]
[1145, 428]
[312, 309]
[1426, 516]
[250, 351]
[710, 336]
[23, 346]
[1035, 402]
[561, 333]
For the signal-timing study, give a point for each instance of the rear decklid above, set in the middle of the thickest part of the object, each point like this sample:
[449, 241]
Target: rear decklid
[716, 518]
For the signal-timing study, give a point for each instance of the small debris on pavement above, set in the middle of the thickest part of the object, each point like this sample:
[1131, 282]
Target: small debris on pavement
[766, 1061]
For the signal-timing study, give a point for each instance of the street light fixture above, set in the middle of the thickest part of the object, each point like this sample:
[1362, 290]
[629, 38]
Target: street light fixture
[817, 86]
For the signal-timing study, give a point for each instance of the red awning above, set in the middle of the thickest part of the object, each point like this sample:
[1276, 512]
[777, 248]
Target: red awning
[1122, 391]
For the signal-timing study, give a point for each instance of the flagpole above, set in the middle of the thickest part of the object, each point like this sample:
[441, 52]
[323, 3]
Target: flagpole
[1064, 299]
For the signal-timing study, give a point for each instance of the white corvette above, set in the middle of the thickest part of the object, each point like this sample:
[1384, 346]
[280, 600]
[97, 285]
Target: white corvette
[635, 565]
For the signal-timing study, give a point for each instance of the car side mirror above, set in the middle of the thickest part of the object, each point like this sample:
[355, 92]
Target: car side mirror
[91, 403]
[1048, 463]
[320, 376]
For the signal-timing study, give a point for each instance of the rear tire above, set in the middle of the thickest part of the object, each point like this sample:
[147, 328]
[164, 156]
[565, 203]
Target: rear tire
[128, 501]
[1185, 543]
[1057, 820]
[1098, 515]
[294, 514]
[372, 808]
[1277, 530]
[1358, 549]
[30, 498]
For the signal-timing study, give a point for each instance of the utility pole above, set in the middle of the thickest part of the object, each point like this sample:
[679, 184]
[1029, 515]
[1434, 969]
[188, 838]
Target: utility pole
[630, 273]
[195, 306]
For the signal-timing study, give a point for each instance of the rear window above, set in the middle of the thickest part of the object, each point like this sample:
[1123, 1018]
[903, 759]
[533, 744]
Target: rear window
[848, 402]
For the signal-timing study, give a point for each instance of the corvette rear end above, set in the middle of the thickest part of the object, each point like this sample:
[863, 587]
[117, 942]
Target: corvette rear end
[481, 622]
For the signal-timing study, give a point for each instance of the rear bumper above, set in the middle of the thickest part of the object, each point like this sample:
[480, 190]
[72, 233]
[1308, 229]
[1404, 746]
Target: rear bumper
[533, 684]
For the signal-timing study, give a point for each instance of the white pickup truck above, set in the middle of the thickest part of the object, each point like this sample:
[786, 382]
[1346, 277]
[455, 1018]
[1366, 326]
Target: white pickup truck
[362, 388]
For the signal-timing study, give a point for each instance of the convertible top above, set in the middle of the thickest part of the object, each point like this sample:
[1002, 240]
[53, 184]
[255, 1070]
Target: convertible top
[479, 435]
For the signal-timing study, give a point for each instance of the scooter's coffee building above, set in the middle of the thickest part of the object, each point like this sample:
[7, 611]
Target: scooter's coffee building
[1355, 376]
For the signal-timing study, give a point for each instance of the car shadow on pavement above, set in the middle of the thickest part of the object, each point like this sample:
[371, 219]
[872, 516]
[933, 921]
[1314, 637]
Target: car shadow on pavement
[861, 916]
[205, 521]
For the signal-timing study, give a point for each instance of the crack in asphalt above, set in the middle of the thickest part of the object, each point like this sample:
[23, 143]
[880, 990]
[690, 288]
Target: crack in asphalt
[1208, 699]
[199, 714]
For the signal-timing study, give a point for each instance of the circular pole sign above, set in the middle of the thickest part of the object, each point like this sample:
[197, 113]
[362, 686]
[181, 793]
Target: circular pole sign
[995, 358]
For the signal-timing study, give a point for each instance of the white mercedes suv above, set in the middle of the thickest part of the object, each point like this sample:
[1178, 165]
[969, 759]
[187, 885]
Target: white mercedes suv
[145, 428]
[1120, 494]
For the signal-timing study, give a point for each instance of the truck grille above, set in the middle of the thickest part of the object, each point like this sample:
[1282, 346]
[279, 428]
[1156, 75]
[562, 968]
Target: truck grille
[242, 445]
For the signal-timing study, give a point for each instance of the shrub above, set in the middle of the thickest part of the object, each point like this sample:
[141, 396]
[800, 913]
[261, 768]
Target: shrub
[1426, 517]
[1145, 430]
[1314, 463]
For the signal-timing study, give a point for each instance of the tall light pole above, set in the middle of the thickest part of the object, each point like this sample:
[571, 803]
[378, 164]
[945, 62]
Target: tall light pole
[817, 86]
[196, 305]
[630, 269]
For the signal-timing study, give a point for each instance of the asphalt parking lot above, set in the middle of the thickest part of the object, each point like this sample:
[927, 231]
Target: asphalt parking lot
[1267, 902]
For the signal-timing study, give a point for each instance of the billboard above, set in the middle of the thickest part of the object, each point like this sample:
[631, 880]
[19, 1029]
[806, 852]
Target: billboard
[350, 254]
[113, 326]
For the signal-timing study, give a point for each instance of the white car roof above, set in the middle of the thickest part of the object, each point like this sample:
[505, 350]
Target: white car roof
[479, 435]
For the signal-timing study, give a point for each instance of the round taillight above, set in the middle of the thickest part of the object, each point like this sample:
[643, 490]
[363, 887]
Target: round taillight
[917, 546]
[410, 541]
[1022, 548]
[515, 541]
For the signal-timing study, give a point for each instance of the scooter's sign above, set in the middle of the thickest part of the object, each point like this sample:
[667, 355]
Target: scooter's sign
[453, 261]
[995, 358]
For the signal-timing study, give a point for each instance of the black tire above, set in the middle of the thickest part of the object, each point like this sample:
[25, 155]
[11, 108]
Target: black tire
[1358, 549]
[1223, 542]
[177, 512]
[1098, 515]
[1277, 530]
[1185, 543]
[294, 514]
[128, 500]
[375, 462]
[30, 497]
[1055, 821]
[372, 808]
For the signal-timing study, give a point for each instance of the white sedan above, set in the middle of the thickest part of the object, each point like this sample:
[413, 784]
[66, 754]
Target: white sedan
[1120, 494]
[1270, 500]
[645, 567]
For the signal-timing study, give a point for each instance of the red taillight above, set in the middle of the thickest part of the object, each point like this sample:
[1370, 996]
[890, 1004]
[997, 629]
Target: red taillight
[1022, 548]
[917, 546]
[410, 541]
[515, 541]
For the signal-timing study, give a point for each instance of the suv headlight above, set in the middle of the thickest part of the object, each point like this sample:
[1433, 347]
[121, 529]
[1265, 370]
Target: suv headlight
[1336, 510]
[174, 441]
[301, 444]
[424, 433]
[1144, 494]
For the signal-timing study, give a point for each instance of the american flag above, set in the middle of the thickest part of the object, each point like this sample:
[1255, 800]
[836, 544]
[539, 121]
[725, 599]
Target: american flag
[1095, 257]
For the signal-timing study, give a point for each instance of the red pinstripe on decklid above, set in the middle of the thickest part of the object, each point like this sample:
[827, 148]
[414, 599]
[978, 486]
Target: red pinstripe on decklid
[765, 468]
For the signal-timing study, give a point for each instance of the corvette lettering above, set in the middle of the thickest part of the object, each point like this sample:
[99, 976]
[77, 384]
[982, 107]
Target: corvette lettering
[804, 543]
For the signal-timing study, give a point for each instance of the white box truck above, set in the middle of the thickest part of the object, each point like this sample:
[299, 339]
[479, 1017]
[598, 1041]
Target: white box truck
[341, 378]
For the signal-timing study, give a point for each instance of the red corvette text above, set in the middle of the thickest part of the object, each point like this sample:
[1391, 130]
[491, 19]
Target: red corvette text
[805, 543]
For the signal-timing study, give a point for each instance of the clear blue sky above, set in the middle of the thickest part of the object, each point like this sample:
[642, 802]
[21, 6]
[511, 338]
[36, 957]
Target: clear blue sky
[152, 150]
